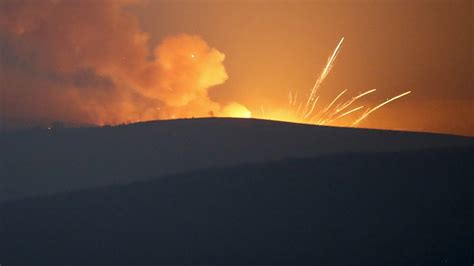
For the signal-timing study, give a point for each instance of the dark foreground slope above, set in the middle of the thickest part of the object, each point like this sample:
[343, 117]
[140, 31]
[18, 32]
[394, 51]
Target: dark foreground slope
[399, 208]
[38, 162]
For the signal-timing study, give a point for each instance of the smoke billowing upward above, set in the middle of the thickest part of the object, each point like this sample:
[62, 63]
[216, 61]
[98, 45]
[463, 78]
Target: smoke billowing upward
[89, 62]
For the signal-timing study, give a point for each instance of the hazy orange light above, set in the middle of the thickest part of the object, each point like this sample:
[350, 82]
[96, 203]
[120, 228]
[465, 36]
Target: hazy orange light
[235, 110]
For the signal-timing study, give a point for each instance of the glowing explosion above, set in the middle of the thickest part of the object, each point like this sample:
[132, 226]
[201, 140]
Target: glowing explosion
[305, 112]
[97, 67]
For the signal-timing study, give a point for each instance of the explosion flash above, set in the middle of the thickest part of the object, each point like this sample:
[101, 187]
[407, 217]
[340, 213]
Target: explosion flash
[336, 109]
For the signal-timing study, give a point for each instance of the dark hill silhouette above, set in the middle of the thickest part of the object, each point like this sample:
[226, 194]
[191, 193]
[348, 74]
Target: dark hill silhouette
[39, 162]
[390, 208]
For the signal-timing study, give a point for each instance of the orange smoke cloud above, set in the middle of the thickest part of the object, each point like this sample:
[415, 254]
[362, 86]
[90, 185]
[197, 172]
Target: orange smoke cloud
[89, 62]
[189, 68]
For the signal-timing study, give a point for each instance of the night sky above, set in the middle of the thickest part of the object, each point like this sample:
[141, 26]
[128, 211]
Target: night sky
[112, 62]
[120, 143]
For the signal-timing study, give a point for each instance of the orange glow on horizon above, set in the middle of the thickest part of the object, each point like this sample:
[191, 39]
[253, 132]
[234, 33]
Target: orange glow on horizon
[235, 110]
[120, 62]
[331, 113]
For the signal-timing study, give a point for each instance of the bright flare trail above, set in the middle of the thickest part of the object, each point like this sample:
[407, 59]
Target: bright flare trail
[333, 111]
[323, 75]
[380, 105]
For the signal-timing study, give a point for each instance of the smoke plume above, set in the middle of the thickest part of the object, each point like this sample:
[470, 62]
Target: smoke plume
[89, 62]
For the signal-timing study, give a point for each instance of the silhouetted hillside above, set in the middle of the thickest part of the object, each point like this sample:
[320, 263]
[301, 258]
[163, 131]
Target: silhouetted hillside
[398, 208]
[38, 161]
